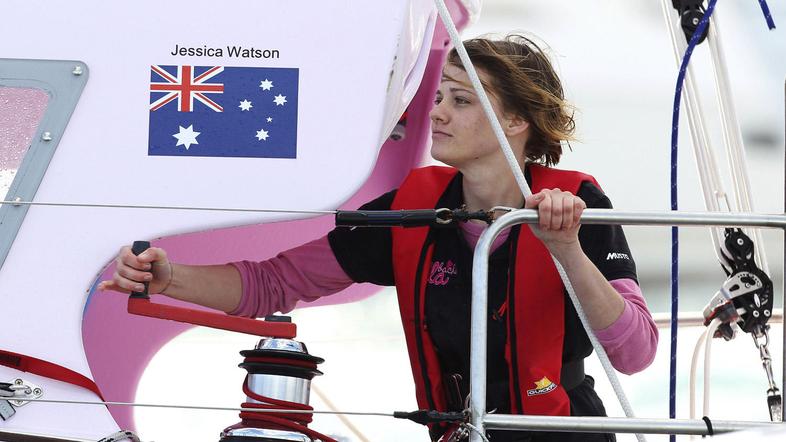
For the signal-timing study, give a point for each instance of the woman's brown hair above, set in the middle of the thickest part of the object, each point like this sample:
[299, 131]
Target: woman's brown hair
[525, 82]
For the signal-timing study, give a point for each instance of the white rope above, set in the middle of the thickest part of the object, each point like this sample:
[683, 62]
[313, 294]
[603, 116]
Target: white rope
[732, 136]
[484, 99]
[522, 182]
[709, 172]
[601, 352]
[707, 355]
[705, 341]
[715, 197]
[694, 362]
[706, 163]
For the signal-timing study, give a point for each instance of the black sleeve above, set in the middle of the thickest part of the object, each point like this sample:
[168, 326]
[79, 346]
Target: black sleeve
[605, 245]
[365, 253]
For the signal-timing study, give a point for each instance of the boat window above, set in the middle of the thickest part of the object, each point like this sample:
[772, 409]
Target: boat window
[37, 99]
[21, 110]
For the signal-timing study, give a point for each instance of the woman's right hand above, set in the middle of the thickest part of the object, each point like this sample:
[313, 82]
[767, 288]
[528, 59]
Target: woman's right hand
[132, 271]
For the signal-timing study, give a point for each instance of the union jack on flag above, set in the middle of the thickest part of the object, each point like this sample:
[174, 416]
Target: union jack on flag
[185, 87]
[223, 111]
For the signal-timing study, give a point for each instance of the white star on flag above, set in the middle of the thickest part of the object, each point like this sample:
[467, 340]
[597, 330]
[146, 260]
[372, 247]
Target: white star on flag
[245, 105]
[280, 100]
[262, 134]
[186, 137]
[266, 84]
[269, 119]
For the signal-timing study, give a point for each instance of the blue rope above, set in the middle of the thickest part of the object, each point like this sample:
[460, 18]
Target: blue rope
[675, 242]
[766, 10]
[674, 206]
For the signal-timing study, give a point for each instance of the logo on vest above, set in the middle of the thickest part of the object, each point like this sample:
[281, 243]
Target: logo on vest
[613, 255]
[441, 272]
[542, 386]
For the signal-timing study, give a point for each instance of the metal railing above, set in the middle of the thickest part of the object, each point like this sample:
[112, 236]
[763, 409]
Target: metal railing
[478, 416]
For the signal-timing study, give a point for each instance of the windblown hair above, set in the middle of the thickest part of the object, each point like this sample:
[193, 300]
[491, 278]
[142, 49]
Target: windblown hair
[525, 82]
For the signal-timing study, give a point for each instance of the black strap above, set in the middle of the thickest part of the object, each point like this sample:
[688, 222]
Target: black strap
[424, 417]
[707, 421]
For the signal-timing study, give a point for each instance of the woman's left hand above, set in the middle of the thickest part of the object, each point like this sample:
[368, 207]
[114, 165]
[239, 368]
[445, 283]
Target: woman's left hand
[559, 213]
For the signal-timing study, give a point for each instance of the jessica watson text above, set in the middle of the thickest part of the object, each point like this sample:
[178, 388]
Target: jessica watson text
[231, 51]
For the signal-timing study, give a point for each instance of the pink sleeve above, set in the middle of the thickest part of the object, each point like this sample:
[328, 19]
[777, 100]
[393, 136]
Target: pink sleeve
[304, 273]
[631, 341]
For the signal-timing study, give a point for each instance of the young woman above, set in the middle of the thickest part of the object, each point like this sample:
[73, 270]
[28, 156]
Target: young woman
[537, 344]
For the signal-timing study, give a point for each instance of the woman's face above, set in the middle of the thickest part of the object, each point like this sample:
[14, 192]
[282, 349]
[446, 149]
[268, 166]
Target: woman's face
[461, 133]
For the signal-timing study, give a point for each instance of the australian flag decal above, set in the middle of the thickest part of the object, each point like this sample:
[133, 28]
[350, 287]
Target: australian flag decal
[216, 111]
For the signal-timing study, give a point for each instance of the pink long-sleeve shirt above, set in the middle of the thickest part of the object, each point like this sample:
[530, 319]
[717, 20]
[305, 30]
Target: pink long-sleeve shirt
[310, 271]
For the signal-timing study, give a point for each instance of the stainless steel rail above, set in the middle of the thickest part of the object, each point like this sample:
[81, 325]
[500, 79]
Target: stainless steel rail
[663, 218]
[615, 424]
[479, 325]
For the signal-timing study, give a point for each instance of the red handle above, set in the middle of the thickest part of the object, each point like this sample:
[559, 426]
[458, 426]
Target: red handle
[143, 307]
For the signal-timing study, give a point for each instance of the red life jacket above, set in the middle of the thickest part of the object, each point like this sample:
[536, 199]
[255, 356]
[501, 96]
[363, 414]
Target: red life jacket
[536, 311]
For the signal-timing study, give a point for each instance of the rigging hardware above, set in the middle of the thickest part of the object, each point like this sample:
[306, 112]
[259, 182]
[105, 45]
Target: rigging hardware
[745, 302]
[691, 12]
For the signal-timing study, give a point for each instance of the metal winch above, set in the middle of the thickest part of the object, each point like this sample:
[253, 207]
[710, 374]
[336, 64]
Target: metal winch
[279, 378]
[280, 369]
